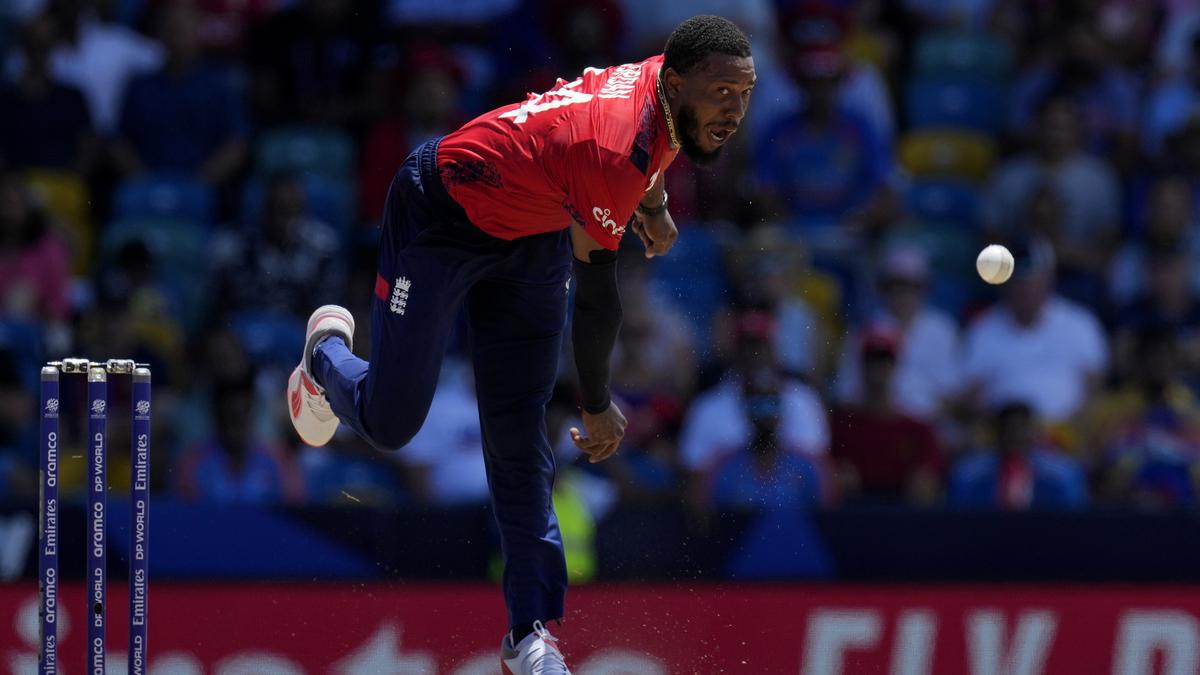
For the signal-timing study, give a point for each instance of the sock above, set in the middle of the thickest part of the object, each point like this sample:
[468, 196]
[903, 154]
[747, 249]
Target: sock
[520, 632]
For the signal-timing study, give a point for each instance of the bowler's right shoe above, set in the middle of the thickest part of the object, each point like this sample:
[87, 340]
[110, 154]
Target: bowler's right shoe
[310, 412]
[536, 654]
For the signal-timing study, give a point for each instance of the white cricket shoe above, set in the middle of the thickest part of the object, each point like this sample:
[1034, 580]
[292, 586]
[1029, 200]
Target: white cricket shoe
[310, 412]
[535, 655]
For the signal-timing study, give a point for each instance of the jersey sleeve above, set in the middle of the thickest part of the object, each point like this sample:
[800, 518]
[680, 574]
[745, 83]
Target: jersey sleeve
[603, 189]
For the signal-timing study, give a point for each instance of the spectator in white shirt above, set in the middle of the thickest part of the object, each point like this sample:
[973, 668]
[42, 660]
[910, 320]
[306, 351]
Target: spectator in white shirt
[447, 454]
[717, 423]
[1035, 346]
[927, 363]
[99, 57]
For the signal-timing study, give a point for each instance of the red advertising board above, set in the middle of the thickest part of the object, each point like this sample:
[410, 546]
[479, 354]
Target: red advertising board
[356, 629]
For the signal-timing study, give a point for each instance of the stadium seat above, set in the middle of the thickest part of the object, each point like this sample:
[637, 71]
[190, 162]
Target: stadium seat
[943, 201]
[947, 153]
[26, 342]
[325, 151]
[693, 276]
[975, 55]
[955, 102]
[169, 196]
[270, 339]
[329, 199]
[65, 196]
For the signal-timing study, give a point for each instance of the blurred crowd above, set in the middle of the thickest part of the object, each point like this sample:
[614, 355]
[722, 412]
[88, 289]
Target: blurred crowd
[182, 181]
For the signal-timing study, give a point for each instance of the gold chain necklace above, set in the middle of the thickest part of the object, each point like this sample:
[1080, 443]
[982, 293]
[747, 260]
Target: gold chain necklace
[662, 100]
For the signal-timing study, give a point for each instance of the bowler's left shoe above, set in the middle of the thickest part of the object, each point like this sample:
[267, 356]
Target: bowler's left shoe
[309, 410]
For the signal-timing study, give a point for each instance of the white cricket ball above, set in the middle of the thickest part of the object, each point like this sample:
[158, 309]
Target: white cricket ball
[994, 264]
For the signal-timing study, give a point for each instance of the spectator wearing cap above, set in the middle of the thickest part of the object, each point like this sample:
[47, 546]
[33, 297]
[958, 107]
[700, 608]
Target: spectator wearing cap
[717, 424]
[1085, 187]
[926, 369]
[878, 451]
[817, 25]
[188, 117]
[765, 267]
[1035, 346]
[825, 165]
[1020, 473]
[1145, 434]
[44, 123]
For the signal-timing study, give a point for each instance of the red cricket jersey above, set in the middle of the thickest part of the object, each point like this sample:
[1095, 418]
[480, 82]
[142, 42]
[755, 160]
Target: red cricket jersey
[585, 151]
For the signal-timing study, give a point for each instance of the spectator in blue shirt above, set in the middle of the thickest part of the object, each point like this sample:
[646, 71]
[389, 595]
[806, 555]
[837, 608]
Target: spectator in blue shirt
[1019, 474]
[43, 123]
[764, 475]
[825, 165]
[188, 117]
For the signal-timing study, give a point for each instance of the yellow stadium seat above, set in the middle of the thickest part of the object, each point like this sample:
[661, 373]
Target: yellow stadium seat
[947, 153]
[65, 197]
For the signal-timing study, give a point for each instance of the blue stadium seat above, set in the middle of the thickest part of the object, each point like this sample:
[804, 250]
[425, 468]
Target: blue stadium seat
[270, 339]
[975, 55]
[955, 102]
[325, 151]
[26, 342]
[944, 201]
[164, 195]
[693, 276]
[329, 199]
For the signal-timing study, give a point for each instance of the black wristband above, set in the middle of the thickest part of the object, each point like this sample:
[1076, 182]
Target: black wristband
[655, 210]
[597, 320]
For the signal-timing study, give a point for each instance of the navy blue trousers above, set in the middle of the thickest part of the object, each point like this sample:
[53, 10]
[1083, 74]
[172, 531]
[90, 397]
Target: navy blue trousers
[432, 262]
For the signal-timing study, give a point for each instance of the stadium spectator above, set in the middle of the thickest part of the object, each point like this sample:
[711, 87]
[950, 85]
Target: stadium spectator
[825, 165]
[878, 451]
[422, 101]
[99, 57]
[927, 361]
[234, 466]
[319, 62]
[18, 478]
[1168, 300]
[286, 262]
[1106, 96]
[817, 25]
[718, 423]
[763, 475]
[43, 123]
[1171, 102]
[1020, 474]
[1170, 223]
[1084, 185]
[446, 455]
[190, 116]
[1035, 346]
[1146, 434]
[33, 258]
[765, 266]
